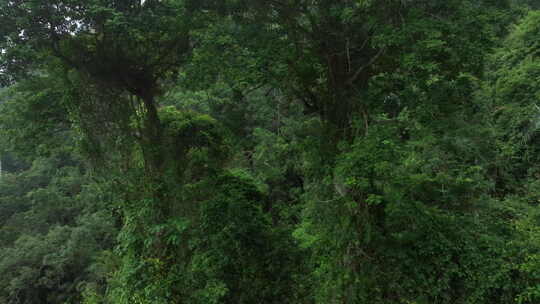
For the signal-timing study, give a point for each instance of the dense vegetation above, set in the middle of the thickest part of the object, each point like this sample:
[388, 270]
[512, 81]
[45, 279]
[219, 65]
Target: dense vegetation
[283, 151]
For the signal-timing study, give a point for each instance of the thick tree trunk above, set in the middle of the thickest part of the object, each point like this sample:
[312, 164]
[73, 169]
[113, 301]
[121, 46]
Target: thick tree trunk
[154, 158]
[152, 137]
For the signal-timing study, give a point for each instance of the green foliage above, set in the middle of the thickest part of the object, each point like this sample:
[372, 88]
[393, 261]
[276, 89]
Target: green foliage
[30, 124]
[512, 94]
[50, 240]
[237, 258]
[193, 140]
[269, 152]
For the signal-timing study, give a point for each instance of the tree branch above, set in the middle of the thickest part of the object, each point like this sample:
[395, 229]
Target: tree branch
[353, 78]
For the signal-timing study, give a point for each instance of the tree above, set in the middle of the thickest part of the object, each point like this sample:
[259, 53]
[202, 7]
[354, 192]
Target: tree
[311, 151]
[55, 220]
[341, 59]
[509, 98]
[112, 59]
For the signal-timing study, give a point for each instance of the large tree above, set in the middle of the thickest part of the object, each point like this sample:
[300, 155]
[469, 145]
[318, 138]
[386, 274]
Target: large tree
[388, 166]
[348, 59]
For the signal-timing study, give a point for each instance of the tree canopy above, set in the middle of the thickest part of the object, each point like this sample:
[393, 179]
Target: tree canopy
[288, 151]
